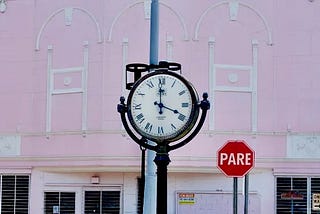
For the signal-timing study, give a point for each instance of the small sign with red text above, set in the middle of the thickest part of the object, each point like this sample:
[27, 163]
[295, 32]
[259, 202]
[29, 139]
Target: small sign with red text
[186, 198]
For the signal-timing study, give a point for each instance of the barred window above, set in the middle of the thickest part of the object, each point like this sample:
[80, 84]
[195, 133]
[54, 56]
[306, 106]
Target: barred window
[297, 195]
[102, 202]
[15, 194]
[59, 202]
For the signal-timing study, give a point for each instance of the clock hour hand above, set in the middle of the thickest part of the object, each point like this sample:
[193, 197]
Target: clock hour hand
[160, 106]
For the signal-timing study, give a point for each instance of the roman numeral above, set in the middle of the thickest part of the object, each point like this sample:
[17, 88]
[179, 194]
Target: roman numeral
[173, 83]
[184, 105]
[181, 117]
[140, 118]
[162, 81]
[182, 92]
[160, 130]
[150, 84]
[148, 127]
[137, 106]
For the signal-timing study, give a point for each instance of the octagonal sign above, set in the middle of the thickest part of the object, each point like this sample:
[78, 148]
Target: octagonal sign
[235, 158]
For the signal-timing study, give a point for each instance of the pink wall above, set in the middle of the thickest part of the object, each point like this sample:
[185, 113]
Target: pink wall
[287, 72]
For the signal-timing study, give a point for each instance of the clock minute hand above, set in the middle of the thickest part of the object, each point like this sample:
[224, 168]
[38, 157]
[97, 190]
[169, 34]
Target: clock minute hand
[173, 110]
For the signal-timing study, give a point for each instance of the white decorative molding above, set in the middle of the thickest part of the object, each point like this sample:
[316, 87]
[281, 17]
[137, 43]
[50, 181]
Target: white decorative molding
[254, 82]
[85, 87]
[125, 50]
[169, 48]
[10, 145]
[50, 86]
[115, 20]
[233, 78]
[180, 18]
[3, 6]
[252, 70]
[233, 11]
[204, 14]
[147, 9]
[51, 90]
[67, 81]
[68, 11]
[303, 146]
[212, 82]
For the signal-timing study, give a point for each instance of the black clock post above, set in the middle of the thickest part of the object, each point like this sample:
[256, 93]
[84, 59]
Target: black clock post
[165, 142]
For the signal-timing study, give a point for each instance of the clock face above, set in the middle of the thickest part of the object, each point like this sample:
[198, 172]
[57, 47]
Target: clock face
[162, 106]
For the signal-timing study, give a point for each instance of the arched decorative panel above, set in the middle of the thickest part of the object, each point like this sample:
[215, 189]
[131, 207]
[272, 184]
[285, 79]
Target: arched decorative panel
[233, 79]
[66, 79]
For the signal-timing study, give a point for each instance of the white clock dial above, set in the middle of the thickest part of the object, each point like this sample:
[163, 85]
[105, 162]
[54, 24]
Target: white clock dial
[162, 106]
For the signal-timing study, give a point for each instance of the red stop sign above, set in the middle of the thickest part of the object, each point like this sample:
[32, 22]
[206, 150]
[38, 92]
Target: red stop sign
[235, 158]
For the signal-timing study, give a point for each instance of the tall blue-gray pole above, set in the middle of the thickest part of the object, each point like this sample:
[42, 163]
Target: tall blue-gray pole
[149, 205]
[154, 33]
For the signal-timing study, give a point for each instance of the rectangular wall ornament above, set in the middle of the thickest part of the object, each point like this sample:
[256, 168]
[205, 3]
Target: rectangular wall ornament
[10, 146]
[303, 146]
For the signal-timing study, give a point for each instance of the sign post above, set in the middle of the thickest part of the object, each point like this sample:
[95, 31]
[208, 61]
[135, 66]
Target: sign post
[235, 159]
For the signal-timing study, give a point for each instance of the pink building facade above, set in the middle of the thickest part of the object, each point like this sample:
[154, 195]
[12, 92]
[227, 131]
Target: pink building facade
[62, 145]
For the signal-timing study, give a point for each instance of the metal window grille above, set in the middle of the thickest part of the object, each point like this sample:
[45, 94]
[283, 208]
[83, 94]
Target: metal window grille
[59, 202]
[102, 202]
[14, 194]
[292, 195]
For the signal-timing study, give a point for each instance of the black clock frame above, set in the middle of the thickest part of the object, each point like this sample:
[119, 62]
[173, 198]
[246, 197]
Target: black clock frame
[194, 112]
[161, 148]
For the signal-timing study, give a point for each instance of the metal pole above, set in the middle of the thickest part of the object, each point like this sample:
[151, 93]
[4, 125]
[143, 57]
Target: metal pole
[154, 33]
[246, 193]
[162, 160]
[150, 185]
[149, 200]
[143, 176]
[235, 195]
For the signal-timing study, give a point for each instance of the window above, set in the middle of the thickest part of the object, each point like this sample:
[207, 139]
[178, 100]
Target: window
[14, 194]
[59, 202]
[102, 202]
[295, 195]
